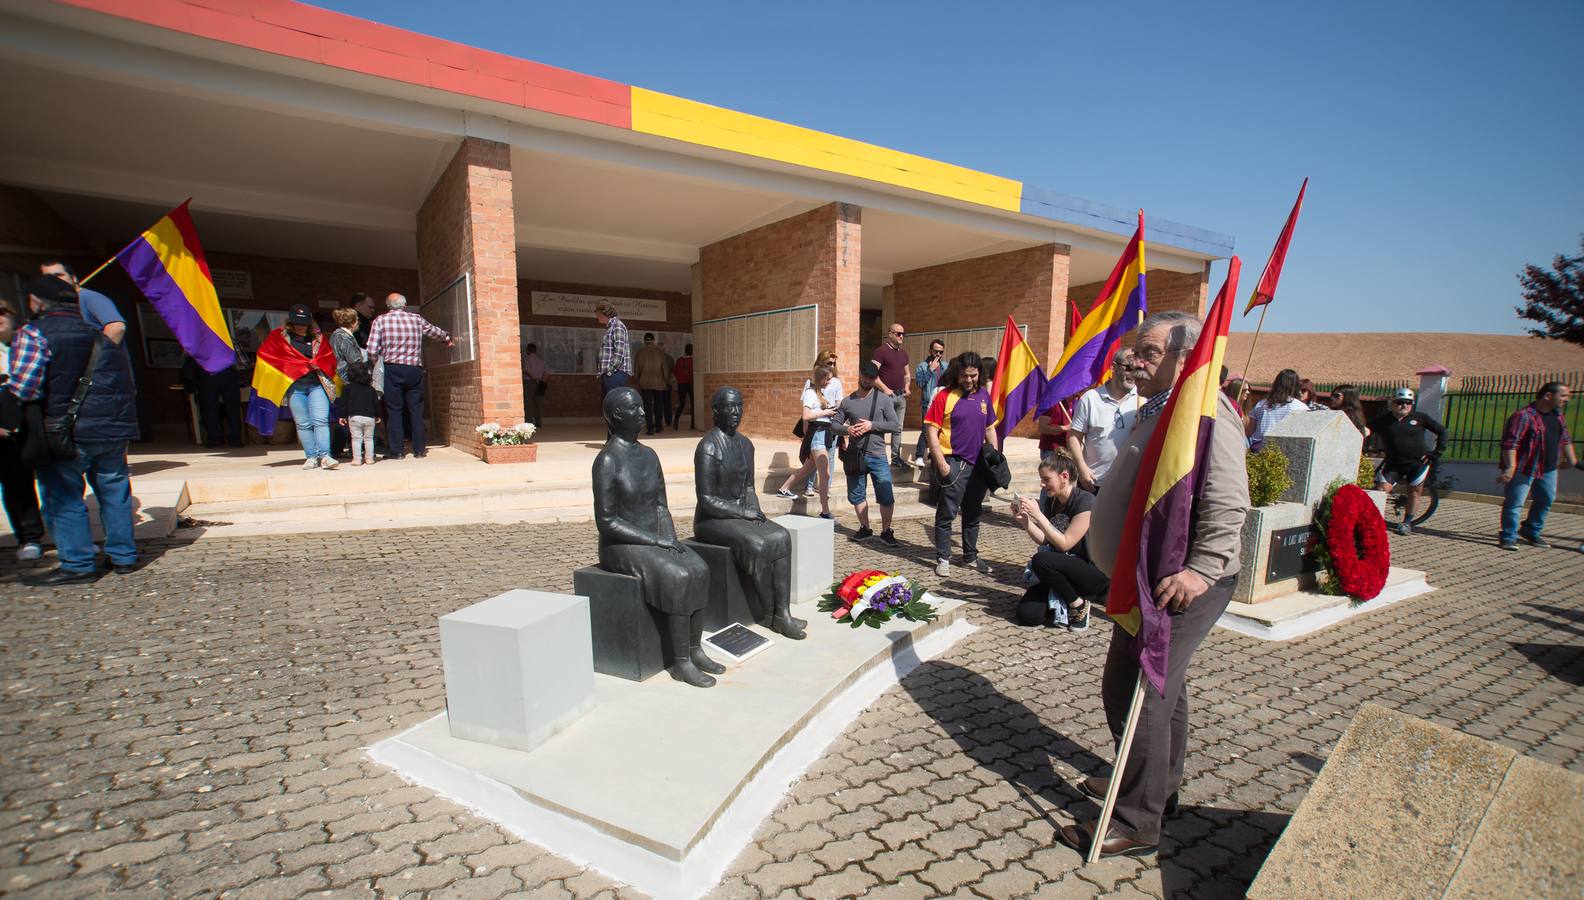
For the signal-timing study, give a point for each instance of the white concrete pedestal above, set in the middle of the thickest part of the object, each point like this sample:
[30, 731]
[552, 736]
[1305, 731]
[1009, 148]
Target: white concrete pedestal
[518, 667]
[813, 554]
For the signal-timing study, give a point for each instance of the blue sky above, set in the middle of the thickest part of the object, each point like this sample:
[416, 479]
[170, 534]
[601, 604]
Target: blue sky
[1442, 140]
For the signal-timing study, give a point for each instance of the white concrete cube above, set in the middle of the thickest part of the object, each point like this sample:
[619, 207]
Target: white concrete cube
[518, 667]
[813, 554]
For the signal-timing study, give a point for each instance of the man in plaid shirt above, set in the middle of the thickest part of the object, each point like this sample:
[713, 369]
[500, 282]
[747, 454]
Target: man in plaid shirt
[1534, 442]
[615, 355]
[397, 338]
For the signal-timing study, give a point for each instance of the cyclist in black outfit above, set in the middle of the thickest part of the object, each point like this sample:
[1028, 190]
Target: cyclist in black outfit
[1401, 433]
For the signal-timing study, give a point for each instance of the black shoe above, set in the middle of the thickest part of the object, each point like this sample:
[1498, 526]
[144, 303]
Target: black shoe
[124, 568]
[1536, 541]
[420, 454]
[60, 576]
[393, 456]
[889, 539]
[863, 534]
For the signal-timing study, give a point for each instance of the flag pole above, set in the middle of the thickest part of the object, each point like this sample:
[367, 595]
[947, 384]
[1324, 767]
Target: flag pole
[1243, 388]
[1115, 785]
[106, 264]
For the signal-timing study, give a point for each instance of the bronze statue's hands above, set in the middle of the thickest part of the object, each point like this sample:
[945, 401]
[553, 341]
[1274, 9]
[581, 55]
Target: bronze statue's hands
[674, 545]
[758, 516]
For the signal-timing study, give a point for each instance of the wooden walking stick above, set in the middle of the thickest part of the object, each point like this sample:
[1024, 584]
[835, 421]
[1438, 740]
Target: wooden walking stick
[1115, 785]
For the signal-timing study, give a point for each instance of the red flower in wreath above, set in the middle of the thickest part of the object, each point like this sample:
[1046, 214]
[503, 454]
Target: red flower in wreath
[1356, 544]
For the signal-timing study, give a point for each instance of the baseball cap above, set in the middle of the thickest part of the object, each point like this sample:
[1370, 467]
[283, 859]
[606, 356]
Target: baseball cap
[299, 315]
[52, 289]
[1402, 394]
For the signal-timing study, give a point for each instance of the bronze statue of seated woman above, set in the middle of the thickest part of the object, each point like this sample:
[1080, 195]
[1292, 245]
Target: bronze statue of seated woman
[637, 537]
[728, 515]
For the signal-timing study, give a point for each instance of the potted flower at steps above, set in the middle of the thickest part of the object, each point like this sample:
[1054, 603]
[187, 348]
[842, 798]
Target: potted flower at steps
[508, 445]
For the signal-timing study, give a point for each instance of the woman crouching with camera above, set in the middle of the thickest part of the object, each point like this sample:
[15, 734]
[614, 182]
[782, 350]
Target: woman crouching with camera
[1060, 571]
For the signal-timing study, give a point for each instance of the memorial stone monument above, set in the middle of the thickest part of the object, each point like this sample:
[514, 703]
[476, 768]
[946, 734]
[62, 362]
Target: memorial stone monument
[1321, 446]
[637, 538]
[728, 516]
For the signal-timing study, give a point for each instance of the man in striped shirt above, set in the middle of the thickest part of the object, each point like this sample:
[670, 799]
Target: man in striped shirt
[397, 338]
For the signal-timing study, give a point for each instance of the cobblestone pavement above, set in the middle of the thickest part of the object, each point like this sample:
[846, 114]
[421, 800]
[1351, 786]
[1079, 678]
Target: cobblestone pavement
[198, 727]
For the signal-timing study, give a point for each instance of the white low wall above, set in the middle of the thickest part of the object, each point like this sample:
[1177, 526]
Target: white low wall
[1480, 478]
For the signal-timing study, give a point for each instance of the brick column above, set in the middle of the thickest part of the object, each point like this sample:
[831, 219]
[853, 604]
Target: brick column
[1030, 285]
[813, 258]
[465, 226]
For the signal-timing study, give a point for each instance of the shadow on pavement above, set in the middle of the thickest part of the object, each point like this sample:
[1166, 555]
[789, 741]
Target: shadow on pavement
[1564, 662]
[994, 730]
[1231, 852]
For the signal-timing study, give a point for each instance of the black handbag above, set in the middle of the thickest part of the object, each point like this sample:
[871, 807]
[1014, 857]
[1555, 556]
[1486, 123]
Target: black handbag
[799, 429]
[852, 453]
[59, 443]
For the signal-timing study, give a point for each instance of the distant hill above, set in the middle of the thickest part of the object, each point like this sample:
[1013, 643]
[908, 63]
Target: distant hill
[1351, 356]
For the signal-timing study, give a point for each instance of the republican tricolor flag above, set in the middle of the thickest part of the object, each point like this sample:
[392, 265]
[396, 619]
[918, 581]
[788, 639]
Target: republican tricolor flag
[167, 264]
[1119, 309]
[1018, 380]
[1170, 478]
[276, 366]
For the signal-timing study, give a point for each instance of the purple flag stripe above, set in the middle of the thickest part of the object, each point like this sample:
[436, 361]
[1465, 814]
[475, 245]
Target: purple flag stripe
[262, 414]
[1080, 372]
[142, 263]
[1163, 545]
[1021, 401]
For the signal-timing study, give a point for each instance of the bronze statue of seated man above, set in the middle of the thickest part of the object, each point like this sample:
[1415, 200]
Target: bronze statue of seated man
[637, 537]
[728, 515]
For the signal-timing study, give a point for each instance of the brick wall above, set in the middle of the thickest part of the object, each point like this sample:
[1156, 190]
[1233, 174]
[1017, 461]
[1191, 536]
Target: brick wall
[1030, 285]
[578, 396]
[813, 258]
[29, 231]
[466, 225]
[1186, 291]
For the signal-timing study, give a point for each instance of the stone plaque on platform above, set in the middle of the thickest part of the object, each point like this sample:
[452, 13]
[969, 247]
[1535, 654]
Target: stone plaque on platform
[1291, 553]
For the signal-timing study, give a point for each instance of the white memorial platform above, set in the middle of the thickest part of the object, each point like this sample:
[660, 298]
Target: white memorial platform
[1301, 612]
[661, 785]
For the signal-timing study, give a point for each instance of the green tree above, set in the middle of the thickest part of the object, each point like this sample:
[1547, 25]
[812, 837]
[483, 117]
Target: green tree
[1555, 299]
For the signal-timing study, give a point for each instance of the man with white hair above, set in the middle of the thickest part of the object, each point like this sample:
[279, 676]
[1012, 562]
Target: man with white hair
[396, 337]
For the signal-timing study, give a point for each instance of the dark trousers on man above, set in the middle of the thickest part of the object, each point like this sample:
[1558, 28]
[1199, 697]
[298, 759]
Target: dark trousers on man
[220, 399]
[1155, 764]
[961, 491]
[655, 403]
[21, 497]
[404, 407]
[685, 399]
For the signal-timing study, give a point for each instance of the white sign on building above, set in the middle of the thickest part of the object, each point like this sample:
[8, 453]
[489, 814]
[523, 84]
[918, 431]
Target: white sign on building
[581, 306]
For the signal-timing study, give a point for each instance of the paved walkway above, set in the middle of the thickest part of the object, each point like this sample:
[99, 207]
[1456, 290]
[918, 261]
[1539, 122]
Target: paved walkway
[198, 726]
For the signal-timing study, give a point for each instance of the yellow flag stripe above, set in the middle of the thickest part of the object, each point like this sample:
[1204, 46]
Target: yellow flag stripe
[183, 268]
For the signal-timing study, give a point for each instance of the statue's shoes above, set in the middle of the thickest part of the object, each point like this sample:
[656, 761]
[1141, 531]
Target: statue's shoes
[704, 662]
[788, 627]
[684, 671]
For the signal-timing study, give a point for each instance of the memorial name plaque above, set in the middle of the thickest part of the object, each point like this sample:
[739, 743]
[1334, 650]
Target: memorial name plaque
[737, 642]
[1291, 553]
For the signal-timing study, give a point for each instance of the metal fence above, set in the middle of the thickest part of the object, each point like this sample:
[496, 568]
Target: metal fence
[1477, 411]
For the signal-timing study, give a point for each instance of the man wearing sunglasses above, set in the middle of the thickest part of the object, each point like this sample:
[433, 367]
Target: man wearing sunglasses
[1401, 432]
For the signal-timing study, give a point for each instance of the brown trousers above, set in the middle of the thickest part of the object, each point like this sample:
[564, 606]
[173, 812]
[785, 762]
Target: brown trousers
[1155, 764]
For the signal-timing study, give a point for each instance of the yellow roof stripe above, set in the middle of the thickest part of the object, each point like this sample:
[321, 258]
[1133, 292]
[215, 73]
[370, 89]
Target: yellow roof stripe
[711, 126]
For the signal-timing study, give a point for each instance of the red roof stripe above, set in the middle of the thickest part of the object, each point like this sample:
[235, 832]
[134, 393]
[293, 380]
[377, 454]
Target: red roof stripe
[322, 36]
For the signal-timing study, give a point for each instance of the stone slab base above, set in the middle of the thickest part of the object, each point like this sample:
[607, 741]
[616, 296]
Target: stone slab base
[662, 785]
[1302, 612]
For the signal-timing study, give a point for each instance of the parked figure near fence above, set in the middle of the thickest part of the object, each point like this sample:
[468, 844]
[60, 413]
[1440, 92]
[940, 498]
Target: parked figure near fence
[1535, 443]
[1409, 458]
[1281, 402]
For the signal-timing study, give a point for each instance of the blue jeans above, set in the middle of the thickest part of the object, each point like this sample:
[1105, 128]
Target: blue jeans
[103, 466]
[1544, 487]
[821, 440]
[310, 409]
[611, 382]
[857, 485]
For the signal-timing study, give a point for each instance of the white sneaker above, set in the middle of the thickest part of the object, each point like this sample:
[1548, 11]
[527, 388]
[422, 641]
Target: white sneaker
[943, 567]
[327, 462]
[310, 464]
[29, 552]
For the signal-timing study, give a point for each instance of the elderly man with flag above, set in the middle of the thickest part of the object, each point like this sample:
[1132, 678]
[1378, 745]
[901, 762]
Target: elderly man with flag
[1171, 548]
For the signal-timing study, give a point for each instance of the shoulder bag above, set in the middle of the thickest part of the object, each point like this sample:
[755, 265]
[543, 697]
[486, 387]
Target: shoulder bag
[59, 443]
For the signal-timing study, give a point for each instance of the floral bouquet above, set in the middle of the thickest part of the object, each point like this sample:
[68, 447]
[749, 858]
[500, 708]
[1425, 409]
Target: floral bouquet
[494, 434]
[872, 597]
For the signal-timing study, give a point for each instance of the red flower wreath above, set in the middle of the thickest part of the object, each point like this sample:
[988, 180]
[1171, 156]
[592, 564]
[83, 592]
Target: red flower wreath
[1356, 552]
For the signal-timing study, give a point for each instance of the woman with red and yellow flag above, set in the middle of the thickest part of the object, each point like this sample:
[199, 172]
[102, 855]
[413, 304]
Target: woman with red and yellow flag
[295, 367]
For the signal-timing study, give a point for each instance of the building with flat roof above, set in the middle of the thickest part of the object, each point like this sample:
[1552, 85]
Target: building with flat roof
[327, 154]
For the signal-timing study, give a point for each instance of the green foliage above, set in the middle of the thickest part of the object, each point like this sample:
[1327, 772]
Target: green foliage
[1554, 298]
[1366, 474]
[1267, 475]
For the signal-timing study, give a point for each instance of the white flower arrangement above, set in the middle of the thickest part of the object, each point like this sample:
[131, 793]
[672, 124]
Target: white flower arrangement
[495, 435]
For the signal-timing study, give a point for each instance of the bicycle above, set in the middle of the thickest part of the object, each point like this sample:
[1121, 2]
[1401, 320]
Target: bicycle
[1397, 503]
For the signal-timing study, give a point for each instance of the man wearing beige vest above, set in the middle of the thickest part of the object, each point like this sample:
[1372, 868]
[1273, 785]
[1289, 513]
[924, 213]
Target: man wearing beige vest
[1196, 596]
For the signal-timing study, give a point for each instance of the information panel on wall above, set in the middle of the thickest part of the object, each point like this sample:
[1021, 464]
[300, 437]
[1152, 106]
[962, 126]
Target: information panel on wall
[575, 351]
[778, 340]
[581, 306]
[451, 311]
[983, 341]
